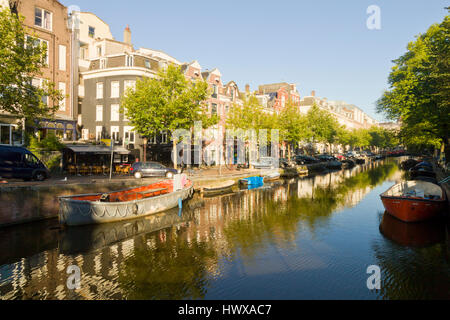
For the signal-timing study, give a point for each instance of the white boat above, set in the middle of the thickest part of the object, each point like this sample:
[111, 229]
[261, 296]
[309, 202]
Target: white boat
[218, 187]
[272, 176]
[122, 205]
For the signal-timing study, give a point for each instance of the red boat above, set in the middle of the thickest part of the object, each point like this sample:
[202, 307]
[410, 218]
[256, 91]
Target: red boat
[413, 201]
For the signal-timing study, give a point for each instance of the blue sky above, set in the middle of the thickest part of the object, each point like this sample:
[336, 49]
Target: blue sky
[321, 45]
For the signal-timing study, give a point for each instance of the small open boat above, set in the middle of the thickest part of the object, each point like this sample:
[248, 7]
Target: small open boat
[412, 201]
[122, 205]
[272, 177]
[218, 187]
[257, 180]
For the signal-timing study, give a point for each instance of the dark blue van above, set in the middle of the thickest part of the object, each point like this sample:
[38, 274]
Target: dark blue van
[19, 163]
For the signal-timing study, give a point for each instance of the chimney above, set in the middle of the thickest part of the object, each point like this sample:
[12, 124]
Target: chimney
[247, 88]
[313, 93]
[127, 35]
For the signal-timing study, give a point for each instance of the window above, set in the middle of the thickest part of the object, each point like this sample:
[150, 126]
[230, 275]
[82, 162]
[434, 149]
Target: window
[115, 133]
[214, 90]
[115, 112]
[62, 103]
[62, 58]
[147, 64]
[99, 51]
[129, 136]
[153, 140]
[40, 83]
[91, 32]
[227, 109]
[31, 160]
[125, 114]
[43, 18]
[214, 108]
[102, 63]
[115, 89]
[39, 42]
[129, 61]
[84, 53]
[99, 113]
[85, 134]
[99, 90]
[98, 133]
[129, 84]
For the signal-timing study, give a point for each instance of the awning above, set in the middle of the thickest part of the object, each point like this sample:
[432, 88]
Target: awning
[86, 149]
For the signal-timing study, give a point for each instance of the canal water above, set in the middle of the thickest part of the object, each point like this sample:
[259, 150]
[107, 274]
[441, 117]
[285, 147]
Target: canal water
[307, 238]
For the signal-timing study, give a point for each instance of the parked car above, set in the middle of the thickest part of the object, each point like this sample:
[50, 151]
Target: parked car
[20, 163]
[352, 154]
[151, 169]
[301, 159]
[326, 157]
[264, 163]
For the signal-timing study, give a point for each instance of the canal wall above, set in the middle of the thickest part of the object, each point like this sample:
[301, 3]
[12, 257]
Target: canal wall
[21, 204]
[27, 203]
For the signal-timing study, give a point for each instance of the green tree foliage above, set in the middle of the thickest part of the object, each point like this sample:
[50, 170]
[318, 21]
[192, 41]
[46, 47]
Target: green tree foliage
[323, 126]
[293, 126]
[168, 102]
[419, 93]
[21, 60]
[249, 115]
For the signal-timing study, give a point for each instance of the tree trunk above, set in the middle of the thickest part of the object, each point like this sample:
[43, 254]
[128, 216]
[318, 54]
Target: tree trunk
[289, 151]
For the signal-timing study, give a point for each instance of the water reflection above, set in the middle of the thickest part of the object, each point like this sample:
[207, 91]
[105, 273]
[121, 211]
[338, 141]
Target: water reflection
[171, 257]
[420, 234]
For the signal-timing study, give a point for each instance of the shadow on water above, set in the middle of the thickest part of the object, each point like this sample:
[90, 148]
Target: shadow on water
[166, 256]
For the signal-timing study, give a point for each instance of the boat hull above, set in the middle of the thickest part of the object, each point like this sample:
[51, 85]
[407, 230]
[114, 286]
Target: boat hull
[412, 209]
[272, 177]
[220, 189]
[76, 212]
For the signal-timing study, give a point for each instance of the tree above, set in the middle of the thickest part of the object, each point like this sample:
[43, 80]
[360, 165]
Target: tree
[168, 102]
[249, 115]
[293, 126]
[21, 60]
[419, 93]
[322, 124]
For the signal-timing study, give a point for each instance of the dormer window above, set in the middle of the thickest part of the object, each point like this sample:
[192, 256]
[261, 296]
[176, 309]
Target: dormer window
[91, 32]
[129, 62]
[102, 63]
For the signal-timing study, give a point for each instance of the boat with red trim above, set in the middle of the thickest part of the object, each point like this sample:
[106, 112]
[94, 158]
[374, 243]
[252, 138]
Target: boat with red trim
[415, 200]
[123, 205]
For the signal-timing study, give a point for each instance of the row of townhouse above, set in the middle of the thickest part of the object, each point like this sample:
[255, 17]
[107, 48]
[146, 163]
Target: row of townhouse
[347, 114]
[94, 70]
